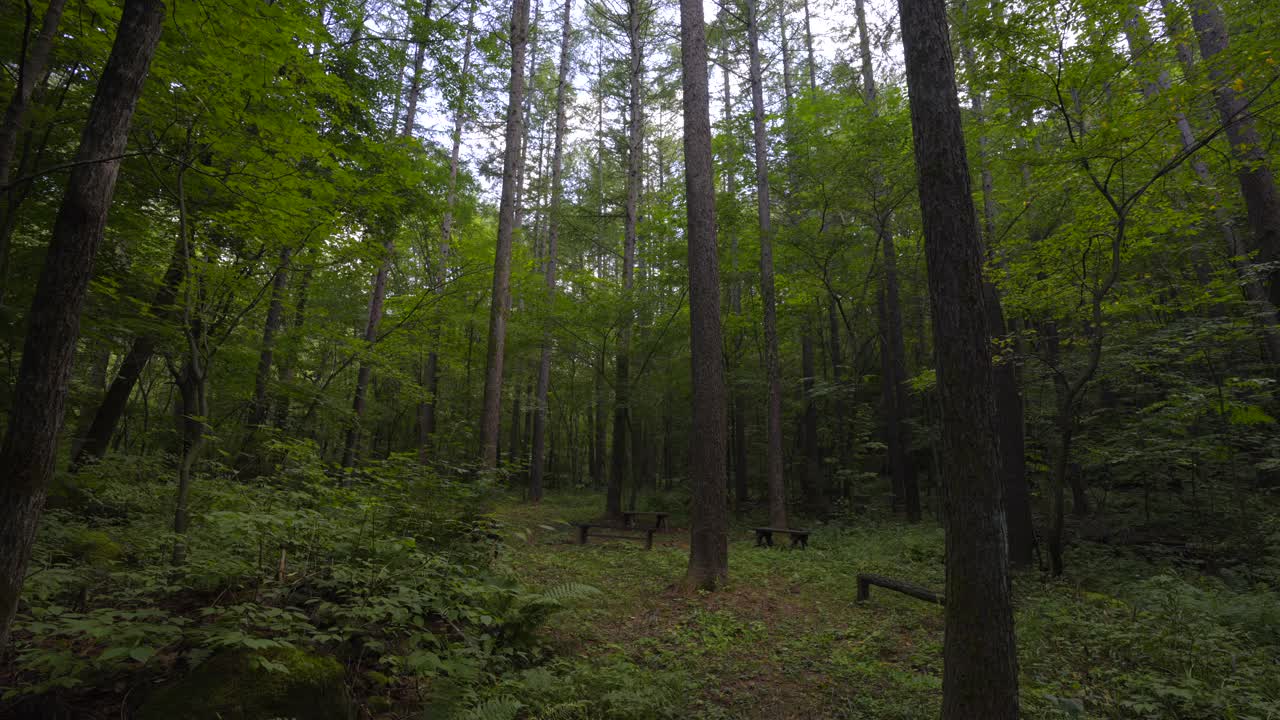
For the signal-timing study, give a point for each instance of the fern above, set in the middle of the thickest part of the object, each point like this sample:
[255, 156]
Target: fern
[570, 592]
[500, 708]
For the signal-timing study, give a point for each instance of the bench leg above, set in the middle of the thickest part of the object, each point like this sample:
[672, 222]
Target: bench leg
[648, 540]
[582, 535]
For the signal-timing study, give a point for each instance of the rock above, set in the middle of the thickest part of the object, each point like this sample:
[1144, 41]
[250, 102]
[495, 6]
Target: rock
[236, 685]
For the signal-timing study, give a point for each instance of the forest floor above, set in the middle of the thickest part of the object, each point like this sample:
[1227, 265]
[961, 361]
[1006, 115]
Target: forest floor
[784, 639]
[1121, 636]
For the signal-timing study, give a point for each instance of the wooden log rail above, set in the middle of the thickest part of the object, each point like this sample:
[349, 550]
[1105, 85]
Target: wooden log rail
[920, 593]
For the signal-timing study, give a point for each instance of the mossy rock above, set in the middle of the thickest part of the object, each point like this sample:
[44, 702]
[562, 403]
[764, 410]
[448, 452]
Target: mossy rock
[236, 686]
[94, 547]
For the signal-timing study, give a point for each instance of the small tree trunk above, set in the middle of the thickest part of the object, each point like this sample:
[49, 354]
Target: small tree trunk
[258, 409]
[351, 448]
[107, 417]
[32, 64]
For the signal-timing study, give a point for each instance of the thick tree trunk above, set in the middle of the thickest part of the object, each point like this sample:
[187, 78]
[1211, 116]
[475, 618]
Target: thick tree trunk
[1257, 184]
[491, 413]
[768, 296]
[708, 518]
[53, 325]
[980, 666]
[1009, 407]
[553, 249]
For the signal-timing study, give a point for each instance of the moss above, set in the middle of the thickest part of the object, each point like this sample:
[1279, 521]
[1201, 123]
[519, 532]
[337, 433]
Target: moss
[237, 686]
[94, 547]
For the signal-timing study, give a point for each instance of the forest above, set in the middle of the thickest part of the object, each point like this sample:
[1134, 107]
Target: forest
[639, 359]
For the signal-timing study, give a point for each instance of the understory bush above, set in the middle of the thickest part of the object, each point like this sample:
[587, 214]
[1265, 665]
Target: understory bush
[394, 571]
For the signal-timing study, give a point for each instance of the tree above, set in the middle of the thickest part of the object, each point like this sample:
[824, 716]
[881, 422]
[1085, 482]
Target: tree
[709, 522]
[768, 294]
[499, 305]
[553, 248]
[980, 667]
[30, 441]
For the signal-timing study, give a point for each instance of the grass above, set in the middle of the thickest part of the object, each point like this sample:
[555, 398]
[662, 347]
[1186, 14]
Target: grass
[787, 639]
[784, 639]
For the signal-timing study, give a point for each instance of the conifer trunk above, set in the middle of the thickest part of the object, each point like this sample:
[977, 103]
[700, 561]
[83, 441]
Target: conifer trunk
[708, 518]
[491, 412]
[772, 362]
[553, 249]
[980, 667]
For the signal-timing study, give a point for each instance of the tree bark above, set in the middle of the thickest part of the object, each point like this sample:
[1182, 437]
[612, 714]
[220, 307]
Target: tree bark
[768, 296]
[553, 249]
[351, 447]
[491, 413]
[53, 325]
[259, 409]
[32, 64]
[980, 667]
[97, 439]
[1009, 406]
[893, 351]
[708, 518]
[621, 452]
[737, 400]
[1257, 184]
[415, 84]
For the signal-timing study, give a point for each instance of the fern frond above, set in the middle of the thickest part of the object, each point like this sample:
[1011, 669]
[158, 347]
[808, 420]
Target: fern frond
[500, 708]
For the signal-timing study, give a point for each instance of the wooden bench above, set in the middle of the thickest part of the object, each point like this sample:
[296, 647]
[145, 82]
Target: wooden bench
[584, 530]
[866, 581]
[659, 518]
[764, 536]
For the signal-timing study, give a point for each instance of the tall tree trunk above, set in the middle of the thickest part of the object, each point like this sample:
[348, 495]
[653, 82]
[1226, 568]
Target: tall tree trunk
[768, 296]
[491, 413]
[980, 666]
[621, 455]
[1257, 184]
[708, 518]
[53, 325]
[106, 419]
[33, 61]
[893, 350]
[553, 249]
[427, 408]
[351, 447]
[1009, 407]
[737, 400]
